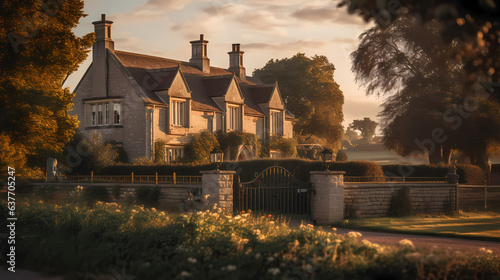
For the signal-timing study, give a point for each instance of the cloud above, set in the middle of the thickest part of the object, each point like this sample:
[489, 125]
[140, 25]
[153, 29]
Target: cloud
[286, 45]
[225, 9]
[299, 44]
[326, 14]
[153, 10]
[261, 20]
[168, 5]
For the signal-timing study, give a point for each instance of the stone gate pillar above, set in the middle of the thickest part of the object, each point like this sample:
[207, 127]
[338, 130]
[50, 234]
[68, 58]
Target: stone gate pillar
[328, 200]
[219, 185]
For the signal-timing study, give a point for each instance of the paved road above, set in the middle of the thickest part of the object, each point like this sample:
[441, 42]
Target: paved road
[423, 241]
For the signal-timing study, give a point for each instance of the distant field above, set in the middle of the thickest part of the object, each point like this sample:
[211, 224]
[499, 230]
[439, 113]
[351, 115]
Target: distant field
[382, 157]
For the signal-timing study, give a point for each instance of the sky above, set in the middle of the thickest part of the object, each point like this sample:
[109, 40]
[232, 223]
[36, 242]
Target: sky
[266, 29]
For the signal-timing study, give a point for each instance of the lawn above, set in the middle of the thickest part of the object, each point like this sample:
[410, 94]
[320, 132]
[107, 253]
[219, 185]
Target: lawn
[480, 225]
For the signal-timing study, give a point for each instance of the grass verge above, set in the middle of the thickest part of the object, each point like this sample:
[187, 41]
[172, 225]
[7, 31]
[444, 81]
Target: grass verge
[473, 225]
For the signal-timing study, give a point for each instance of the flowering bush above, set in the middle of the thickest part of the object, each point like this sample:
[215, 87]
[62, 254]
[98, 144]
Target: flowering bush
[108, 239]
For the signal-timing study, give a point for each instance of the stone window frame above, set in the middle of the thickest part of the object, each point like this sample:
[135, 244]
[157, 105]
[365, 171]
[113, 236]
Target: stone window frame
[173, 153]
[102, 117]
[277, 126]
[234, 117]
[179, 115]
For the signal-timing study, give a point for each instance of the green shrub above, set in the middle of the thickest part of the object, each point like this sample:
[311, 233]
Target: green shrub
[401, 205]
[468, 174]
[232, 140]
[148, 196]
[95, 153]
[471, 174]
[341, 156]
[288, 146]
[198, 151]
[160, 152]
[93, 194]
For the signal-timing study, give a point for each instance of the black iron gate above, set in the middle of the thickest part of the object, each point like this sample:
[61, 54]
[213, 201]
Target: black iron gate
[276, 191]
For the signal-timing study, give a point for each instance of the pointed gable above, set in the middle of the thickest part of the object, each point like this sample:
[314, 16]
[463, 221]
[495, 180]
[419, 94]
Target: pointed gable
[276, 102]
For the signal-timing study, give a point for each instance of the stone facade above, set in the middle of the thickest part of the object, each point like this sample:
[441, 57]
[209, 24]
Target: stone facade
[135, 100]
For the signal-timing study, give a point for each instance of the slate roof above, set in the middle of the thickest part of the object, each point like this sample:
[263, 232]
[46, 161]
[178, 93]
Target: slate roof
[153, 74]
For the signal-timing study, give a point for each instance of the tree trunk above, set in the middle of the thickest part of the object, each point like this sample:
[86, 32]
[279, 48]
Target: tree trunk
[446, 155]
[436, 157]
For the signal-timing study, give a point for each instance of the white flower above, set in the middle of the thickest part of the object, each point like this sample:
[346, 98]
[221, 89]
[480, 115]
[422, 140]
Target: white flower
[273, 270]
[191, 260]
[230, 267]
[406, 243]
[257, 256]
[185, 274]
[270, 259]
[354, 234]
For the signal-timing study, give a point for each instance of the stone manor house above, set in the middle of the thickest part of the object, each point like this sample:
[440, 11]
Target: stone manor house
[134, 99]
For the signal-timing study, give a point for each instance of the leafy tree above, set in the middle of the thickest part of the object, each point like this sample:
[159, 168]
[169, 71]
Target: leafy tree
[431, 109]
[351, 134]
[310, 93]
[407, 61]
[366, 126]
[474, 22]
[38, 51]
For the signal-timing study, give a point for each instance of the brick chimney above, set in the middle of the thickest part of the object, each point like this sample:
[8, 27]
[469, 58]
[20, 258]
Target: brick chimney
[103, 41]
[199, 54]
[236, 62]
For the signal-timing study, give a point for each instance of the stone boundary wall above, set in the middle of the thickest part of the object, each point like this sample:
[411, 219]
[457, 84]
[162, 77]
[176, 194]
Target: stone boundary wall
[171, 196]
[374, 199]
[472, 198]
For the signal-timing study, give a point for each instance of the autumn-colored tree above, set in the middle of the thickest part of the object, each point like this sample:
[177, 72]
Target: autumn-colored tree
[310, 93]
[366, 126]
[38, 51]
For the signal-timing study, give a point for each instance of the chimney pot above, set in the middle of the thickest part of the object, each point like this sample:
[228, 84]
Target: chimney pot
[236, 62]
[103, 17]
[199, 54]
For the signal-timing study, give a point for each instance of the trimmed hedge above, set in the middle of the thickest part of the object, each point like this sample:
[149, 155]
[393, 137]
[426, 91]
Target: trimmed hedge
[468, 174]
[247, 169]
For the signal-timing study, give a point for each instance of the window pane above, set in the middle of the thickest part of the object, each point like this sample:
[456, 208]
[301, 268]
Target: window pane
[107, 113]
[116, 109]
[99, 114]
[93, 116]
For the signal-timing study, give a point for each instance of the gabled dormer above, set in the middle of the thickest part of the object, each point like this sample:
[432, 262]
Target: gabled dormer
[170, 83]
[269, 99]
[226, 93]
